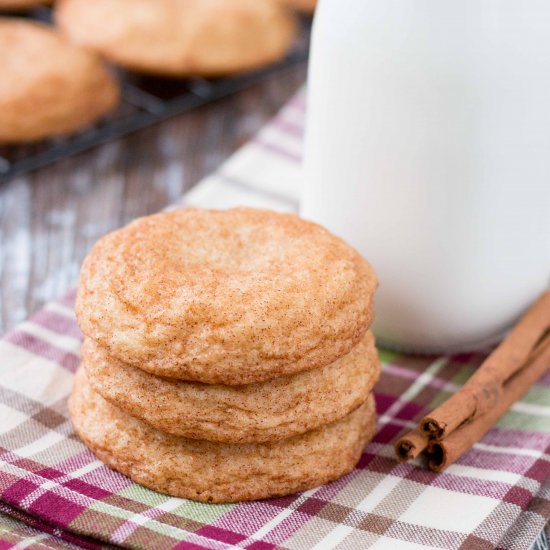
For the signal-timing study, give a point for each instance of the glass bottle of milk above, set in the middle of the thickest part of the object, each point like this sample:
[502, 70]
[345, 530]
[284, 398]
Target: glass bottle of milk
[428, 149]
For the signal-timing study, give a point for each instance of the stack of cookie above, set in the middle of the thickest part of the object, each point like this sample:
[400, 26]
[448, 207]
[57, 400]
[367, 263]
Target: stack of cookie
[227, 354]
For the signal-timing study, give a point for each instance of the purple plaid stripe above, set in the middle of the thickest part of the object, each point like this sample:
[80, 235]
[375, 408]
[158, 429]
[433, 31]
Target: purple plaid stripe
[57, 323]
[66, 359]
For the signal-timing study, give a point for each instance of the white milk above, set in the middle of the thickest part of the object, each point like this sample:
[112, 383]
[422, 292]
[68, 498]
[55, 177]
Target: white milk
[428, 149]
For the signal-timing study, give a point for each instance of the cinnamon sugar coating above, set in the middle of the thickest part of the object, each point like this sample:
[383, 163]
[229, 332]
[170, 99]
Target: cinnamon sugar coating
[225, 297]
[268, 411]
[217, 472]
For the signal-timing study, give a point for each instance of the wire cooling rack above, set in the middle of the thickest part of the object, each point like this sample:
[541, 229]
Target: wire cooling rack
[144, 101]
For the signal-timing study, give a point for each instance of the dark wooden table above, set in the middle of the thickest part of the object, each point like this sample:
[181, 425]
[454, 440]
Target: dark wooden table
[51, 218]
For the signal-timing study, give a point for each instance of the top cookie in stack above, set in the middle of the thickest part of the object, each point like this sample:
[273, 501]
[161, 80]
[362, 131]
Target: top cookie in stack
[225, 297]
[237, 338]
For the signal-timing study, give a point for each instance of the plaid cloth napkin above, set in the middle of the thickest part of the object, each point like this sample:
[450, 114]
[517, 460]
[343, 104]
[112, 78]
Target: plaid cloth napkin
[59, 494]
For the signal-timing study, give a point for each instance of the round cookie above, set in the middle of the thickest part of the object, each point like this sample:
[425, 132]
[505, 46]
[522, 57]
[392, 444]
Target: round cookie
[181, 37]
[217, 472]
[268, 411]
[225, 297]
[48, 86]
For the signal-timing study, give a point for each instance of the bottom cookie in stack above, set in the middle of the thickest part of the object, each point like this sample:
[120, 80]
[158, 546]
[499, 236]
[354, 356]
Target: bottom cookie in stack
[218, 472]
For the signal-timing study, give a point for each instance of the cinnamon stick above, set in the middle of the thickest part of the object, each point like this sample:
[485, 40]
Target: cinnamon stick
[411, 445]
[442, 453]
[483, 392]
[453, 428]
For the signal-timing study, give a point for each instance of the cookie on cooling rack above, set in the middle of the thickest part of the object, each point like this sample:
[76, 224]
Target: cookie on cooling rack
[48, 87]
[181, 37]
[218, 472]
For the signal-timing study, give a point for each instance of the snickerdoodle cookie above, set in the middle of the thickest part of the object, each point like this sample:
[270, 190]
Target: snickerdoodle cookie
[268, 411]
[225, 297]
[48, 86]
[181, 37]
[218, 472]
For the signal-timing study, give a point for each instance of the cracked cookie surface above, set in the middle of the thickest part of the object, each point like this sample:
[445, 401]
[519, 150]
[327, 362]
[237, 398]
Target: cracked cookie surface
[268, 411]
[218, 472]
[225, 297]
